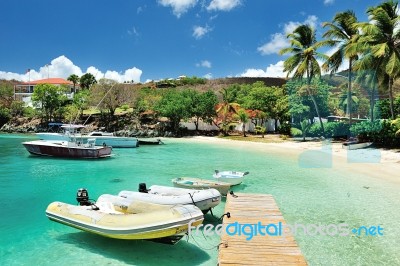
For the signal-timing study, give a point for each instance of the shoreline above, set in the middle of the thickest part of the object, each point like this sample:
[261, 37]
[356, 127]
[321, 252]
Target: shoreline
[377, 163]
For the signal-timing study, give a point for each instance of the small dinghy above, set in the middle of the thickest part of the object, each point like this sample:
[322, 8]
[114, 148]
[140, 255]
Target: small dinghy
[231, 177]
[198, 183]
[116, 217]
[203, 199]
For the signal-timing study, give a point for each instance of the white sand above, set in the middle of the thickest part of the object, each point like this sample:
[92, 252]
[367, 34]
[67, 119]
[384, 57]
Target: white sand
[377, 163]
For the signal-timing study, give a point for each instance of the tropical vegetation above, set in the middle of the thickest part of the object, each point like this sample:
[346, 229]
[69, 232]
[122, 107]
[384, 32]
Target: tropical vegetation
[366, 90]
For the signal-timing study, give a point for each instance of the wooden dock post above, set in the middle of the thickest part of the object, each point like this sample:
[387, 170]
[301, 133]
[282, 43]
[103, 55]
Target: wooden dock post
[260, 249]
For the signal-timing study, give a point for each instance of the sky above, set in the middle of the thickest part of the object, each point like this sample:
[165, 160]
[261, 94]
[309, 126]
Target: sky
[143, 40]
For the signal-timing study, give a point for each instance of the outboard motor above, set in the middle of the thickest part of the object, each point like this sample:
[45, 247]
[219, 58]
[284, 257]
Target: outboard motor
[82, 196]
[143, 188]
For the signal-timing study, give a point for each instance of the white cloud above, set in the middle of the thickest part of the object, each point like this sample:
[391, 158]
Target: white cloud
[179, 7]
[279, 40]
[62, 67]
[199, 32]
[273, 70]
[208, 76]
[329, 2]
[204, 63]
[223, 5]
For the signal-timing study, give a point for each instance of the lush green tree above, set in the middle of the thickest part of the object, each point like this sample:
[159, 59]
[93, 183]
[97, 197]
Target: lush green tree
[202, 105]
[74, 79]
[343, 33]
[300, 102]
[6, 94]
[81, 100]
[87, 80]
[303, 61]
[5, 115]
[49, 98]
[174, 105]
[382, 36]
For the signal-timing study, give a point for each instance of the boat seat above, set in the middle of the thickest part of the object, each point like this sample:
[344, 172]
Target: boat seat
[106, 206]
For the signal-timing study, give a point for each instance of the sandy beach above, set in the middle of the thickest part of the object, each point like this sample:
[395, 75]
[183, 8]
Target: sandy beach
[376, 163]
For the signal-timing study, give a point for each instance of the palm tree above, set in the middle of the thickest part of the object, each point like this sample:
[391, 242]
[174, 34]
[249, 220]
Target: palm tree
[225, 111]
[344, 34]
[382, 35]
[303, 61]
[74, 79]
[243, 117]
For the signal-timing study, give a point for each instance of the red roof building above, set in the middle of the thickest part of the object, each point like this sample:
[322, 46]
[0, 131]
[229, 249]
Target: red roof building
[24, 90]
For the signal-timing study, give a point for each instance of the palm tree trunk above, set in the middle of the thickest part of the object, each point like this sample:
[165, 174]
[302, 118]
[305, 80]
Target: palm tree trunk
[349, 98]
[314, 102]
[391, 97]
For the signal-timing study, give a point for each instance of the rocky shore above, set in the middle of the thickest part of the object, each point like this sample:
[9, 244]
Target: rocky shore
[29, 126]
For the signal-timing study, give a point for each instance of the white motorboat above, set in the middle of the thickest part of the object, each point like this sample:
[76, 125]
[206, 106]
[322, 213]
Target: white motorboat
[203, 199]
[102, 138]
[117, 217]
[68, 149]
[199, 183]
[231, 177]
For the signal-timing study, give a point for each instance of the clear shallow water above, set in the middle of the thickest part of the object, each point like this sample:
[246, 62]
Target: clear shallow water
[305, 195]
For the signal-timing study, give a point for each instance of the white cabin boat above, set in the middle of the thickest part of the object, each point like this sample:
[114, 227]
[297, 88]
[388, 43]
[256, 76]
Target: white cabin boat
[102, 138]
[231, 177]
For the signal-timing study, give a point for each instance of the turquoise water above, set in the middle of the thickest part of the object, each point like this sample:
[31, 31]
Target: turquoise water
[308, 196]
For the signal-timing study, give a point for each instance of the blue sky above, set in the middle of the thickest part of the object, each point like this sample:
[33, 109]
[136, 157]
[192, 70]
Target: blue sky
[143, 40]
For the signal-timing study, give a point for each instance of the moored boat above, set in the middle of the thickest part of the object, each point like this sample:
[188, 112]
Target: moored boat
[199, 183]
[102, 138]
[67, 149]
[116, 217]
[203, 199]
[355, 144]
[150, 141]
[232, 177]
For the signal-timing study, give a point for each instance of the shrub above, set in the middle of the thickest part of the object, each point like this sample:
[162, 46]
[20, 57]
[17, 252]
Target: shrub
[125, 107]
[5, 115]
[29, 112]
[295, 132]
[284, 128]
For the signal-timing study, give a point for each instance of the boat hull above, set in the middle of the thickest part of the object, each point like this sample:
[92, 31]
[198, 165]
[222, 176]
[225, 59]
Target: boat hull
[356, 145]
[198, 183]
[62, 150]
[153, 225]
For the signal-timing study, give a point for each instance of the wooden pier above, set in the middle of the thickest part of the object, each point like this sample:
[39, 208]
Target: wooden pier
[260, 249]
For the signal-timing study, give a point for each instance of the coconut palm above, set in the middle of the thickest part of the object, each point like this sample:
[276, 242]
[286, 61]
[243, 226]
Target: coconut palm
[74, 79]
[303, 61]
[225, 110]
[343, 34]
[243, 117]
[382, 35]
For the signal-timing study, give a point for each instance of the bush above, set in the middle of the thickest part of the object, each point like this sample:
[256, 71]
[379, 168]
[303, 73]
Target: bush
[125, 107]
[29, 112]
[17, 108]
[332, 130]
[295, 132]
[381, 132]
[5, 115]
[284, 128]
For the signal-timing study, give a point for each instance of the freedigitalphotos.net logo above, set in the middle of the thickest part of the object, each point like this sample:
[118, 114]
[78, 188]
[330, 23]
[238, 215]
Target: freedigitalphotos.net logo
[278, 229]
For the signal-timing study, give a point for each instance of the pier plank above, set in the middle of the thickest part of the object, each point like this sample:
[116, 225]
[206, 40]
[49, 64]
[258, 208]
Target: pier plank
[261, 249]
